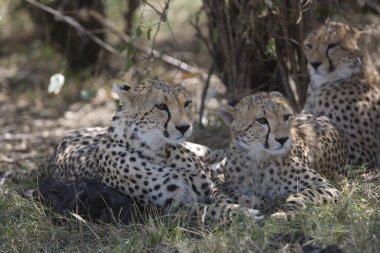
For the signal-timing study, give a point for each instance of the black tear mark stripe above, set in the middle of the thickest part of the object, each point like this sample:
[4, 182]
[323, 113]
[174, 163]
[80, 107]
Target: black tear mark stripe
[169, 116]
[167, 110]
[331, 66]
[267, 136]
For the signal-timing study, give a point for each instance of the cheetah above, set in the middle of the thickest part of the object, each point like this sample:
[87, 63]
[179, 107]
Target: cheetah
[143, 154]
[344, 86]
[276, 155]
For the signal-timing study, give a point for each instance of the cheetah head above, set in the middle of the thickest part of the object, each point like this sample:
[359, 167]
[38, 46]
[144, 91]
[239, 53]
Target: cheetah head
[156, 112]
[333, 53]
[260, 123]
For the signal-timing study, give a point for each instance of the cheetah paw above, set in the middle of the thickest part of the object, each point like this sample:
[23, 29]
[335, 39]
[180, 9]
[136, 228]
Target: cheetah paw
[253, 213]
[281, 215]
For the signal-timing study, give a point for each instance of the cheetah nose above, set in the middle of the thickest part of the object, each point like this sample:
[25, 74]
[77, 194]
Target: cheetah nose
[281, 140]
[315, 64]
[182, 128]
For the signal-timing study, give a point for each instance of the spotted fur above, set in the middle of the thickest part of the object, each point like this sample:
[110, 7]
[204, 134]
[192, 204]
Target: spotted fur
[143, 154]
[276, 155]
[344, 86]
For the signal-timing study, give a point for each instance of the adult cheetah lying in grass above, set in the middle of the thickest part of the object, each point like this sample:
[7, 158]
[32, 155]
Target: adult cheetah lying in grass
[345, 87]
[142, 154]
[275, 155]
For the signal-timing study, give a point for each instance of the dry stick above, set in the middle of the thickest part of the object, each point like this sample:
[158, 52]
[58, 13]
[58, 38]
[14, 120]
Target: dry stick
[69, 20]
[284, 71]
[74, 24]
[162, 14]
[204, 95]
[163, 18]
[202, 38]
[147, 50]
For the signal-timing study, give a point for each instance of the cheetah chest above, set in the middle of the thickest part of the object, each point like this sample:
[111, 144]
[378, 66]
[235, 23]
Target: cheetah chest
[253, 179]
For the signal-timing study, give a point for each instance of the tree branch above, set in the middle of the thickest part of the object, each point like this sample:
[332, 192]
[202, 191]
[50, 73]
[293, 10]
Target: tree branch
[75, 24]
[145, 49]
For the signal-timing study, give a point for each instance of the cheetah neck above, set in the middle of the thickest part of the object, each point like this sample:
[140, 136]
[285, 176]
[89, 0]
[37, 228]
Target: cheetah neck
[317, 80]
[363, 68]
[124, 132]
[258, 157]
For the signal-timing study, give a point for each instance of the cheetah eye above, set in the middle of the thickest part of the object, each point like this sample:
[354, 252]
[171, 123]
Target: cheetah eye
[187, 103]
[308, 46]
[162, 107]
[262, 120]
[287, 116]
[332, 45]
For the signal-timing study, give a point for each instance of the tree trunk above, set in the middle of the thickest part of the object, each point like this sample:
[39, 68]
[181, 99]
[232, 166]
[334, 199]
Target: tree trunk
[257, 45]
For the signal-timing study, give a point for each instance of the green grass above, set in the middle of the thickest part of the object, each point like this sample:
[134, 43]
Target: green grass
[27, 226]
[353, 224]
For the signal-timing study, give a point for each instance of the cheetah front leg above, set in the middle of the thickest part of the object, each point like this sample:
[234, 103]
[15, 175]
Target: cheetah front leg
[324, 193]
[205, 154]
[224, 208]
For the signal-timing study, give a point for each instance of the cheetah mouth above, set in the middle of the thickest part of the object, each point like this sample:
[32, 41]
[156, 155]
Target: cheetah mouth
[245, 146]
[283, 149]
[319, 73]
[175, 140]
[323, 72]
[315, 72]
[178, 138]
[278, 151]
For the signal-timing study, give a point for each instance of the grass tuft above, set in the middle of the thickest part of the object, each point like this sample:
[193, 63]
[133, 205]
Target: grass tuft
[353, 224]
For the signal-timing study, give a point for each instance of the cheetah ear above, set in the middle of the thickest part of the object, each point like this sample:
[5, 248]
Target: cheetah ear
[276, 94]
[227, 113]
[122, 92]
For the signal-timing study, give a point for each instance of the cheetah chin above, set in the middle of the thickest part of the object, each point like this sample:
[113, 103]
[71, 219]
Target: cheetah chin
[259, 151]
[280, 150]
[177, 140]
[174, 141]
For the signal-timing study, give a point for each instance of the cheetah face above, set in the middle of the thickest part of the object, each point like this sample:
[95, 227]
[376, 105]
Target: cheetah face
[260, 124]
[332, 53]
[156, 112]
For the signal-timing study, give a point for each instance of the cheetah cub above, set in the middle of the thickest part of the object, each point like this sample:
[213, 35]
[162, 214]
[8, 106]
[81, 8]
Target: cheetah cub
[344, 86]
[276, 155]
[143, 154]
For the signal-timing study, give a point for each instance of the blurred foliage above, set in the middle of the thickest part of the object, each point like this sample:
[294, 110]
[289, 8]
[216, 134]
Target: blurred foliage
[257, 45]
[79, 49]
[253, 45]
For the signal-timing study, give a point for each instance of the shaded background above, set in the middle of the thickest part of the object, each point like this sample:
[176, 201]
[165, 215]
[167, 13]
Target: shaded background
[220, 50]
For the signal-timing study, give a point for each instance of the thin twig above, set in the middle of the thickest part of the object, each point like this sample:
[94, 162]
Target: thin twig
[284, 75]
[163, 13]
[163, 18]
[149, 51]
[204, 94]
[202, 37]
[152, 6]
[75, 24]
